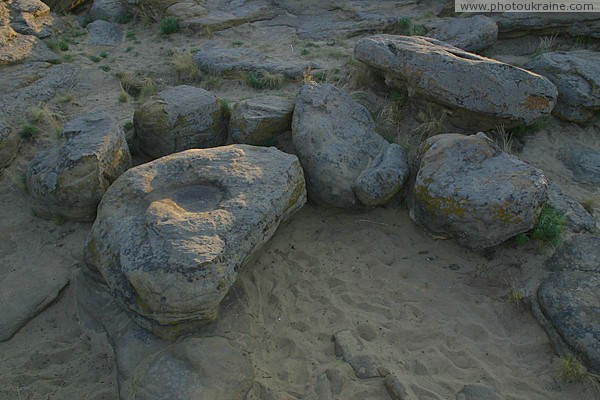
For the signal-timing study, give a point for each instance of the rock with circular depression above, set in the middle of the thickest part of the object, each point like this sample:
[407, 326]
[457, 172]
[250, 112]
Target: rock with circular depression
[172, 234]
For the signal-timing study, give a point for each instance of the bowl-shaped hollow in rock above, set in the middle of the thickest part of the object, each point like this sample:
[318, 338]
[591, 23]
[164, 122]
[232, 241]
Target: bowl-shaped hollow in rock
[172, 234]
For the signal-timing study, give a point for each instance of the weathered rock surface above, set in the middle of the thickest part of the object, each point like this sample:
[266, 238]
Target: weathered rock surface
[219, 15]
[576, 217]
[568, 299]
[343, 157]
[222, 60]
[352, 350]
[383, 177]
[482, 92]
[575, 24]
[179, 118]
[172, 234]
[103, 33]
[15, 47]
[260, 120]
[9, 145]
[31, 17]
[583, 161]
[108, 10]
[26, 292]
[68, 180]
[468, 189]
[472, 34]
[576, 74]
[477, 392]
[16, 91]
[210, 367]
[395, 388]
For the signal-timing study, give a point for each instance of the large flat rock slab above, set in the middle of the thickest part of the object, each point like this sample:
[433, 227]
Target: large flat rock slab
[482, 92]
[172, 234]
[150, 368]
[222, 60]
[575, 24]
[25, 292]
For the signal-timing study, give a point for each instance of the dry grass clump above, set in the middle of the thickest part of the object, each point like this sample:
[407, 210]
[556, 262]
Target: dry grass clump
[139, 87]
[264, 80]
[41, 116]
[547, 44]
[357, 75]
[390, 117]
[432, 123]
[589, 205]
[149, 11]
[503, 139]
[573, 371]
[183, 63]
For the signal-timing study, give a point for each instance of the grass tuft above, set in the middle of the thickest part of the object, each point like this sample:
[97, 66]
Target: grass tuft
[169, 25]
[515, 297]
[431, 124]
[549, 226]
[572, 370]
[226, 108]
[183, 63]
[407, 27]
[264, 80]
[28, 131]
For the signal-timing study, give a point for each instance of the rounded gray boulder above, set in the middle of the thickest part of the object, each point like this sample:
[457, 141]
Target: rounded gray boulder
[347, 164]
[576, 74]
[69, 180]
[180, 118]
[468, 189]
[260, 120]
[474, 33]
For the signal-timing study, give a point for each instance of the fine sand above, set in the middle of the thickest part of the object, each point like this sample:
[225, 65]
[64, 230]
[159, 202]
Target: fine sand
[435, 314]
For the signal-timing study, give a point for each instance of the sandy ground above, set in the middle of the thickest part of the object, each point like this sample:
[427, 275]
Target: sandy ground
[435, 313]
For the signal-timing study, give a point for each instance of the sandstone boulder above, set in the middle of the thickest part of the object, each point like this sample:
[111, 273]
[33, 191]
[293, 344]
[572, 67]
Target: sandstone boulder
[346, 162]
[472, 34]
[568, 299]
[172, 234]
[68, 180]
[482, 92]
[576, 74]
[574, 24]
[9, 145]
[468, 189]
[108, 10]
[103, 33]
[179, 118]
[31, 17]
[583, 161]
[576, 217]
[222, 60]
[218, 15]
[260, 120]
[16, 47]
